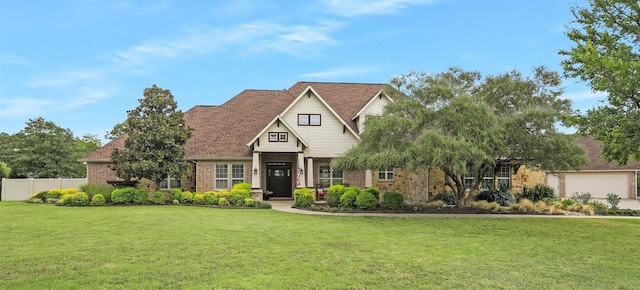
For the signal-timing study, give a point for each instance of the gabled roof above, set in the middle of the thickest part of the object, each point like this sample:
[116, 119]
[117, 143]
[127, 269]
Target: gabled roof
[380, 94]
[593, 150]
[224, 131]
[285, 124]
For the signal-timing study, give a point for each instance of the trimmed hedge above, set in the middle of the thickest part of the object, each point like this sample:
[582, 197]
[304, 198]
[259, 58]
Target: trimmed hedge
[98, 199]
[366, 200]
[393, 200]
[304, 197]
[158, 197]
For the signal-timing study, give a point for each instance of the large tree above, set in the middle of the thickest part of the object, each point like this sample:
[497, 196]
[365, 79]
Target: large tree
[457, 121]
[156, 132]
[43, 149]
[607, 56]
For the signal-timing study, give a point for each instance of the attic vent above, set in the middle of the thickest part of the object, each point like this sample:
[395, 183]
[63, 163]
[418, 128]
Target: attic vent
[309, 94]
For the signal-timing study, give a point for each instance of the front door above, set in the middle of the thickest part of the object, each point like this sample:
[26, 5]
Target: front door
[279, 179]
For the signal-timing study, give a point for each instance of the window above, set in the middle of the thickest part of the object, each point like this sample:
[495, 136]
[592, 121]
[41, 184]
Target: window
[504, 177]
[221, 176]
[328, 176]
[228, 175]
[309, 120]
[386, 174]
[278, 136]
[170, 183]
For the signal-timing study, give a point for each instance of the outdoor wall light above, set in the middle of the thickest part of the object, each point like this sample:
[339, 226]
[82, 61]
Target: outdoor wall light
[255, 170]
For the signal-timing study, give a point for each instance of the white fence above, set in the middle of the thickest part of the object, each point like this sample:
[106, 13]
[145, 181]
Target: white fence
[21, 189]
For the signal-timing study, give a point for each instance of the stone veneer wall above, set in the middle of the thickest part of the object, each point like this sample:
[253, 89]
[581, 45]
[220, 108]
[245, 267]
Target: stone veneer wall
[413, 186]
[526, 176]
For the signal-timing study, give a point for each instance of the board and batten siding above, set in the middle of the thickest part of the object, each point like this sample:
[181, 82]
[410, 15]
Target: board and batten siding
[291, 145]
[326, 140]
[373, 108]
[598, 184]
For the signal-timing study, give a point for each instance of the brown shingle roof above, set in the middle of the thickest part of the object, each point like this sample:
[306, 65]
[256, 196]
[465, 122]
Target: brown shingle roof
[593, 149]
[223, 131]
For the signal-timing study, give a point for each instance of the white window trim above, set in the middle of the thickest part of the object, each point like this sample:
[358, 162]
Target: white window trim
[332, 179]
[487, 177]
[229, 178]
[386, 174]
[168, 179]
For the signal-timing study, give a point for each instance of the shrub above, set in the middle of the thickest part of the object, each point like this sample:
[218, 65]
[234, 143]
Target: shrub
[599, 207]
[264, 205]
[123, 195]
[374, 191]
[581, 197]
[158, 197]
[304, 197]
[447, 197]
[348, 198]
[523, 206]
[54, 194]
[366, 200]
[175, 194]
[243, 187]
[249, 202]
[39, 197]
[98, 199]
[69, 190]
[393, 200]
[223, 201]
[198, 198]
[613, 200]
[93, 189]
[333, 195]
[175, 202]
[65, 199]
[139, 196]
[186, 197]
[79, 199]
[210, 198]
[236, 197]
[537, 193]
[224, 193]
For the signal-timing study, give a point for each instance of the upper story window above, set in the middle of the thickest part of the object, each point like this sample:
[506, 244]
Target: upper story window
[386, 175]
[309, 120]
[278, 136]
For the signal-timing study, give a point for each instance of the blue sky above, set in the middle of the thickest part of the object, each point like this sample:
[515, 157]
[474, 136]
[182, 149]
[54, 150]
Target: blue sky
[83, 63]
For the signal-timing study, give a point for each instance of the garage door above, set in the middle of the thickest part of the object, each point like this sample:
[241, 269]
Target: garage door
[597, 184]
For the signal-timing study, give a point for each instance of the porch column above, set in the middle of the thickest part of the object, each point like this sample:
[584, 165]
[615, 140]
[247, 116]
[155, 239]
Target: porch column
[310, 172]
[368, 178]
[255, 172]
[300, 180]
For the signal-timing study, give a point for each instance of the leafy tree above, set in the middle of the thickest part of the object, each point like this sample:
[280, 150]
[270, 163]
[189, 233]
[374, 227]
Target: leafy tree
[42, 149]
[5, 171]
[85, 145]
[457, 119]
[156, 132]
[117, 131]
[607, 56]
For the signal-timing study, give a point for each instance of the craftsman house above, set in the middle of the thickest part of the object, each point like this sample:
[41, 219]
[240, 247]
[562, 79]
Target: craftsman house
[277, 140]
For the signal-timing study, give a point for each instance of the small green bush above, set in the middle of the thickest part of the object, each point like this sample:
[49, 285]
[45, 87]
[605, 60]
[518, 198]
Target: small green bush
[263, 205]
[198, 198]
[186, 197]
[158, 197]
[393, 200]
[374, 191]
[175, 194]
[537, 193]
[249, 202]
[348, 198]
[613, 200]
[223, 201]
[447, 197]
[98, 199]
[79, 199]
[581, 197]
[65, 199]
[366, 200]
[304, 197]
[123, 195]
[236, 197]
[54, 194]
[175, 202]
[40, 196]
[210, 198]
[243, 187]
[599, 208]
[333, 195]
[139, 196]
[93, 189]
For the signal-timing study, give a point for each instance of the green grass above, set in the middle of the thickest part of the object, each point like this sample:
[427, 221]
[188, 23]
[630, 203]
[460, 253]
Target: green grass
[150, 247]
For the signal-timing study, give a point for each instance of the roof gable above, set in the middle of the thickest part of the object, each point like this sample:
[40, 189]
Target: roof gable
[286, 125]
[593, 150]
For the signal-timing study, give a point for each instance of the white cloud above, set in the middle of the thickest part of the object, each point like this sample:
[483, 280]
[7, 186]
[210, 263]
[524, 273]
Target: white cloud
[585, 95]
[24, 107]
[352, 8]
[65, 78]
[341, 72]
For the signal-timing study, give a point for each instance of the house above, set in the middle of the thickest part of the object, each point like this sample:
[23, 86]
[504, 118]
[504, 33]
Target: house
[598, 177]
[277, 140]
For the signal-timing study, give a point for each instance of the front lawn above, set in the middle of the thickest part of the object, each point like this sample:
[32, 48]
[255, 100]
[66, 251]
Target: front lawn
[144, 247]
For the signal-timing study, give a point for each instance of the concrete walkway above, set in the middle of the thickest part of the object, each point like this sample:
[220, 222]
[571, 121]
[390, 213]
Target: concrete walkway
[285, 206]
